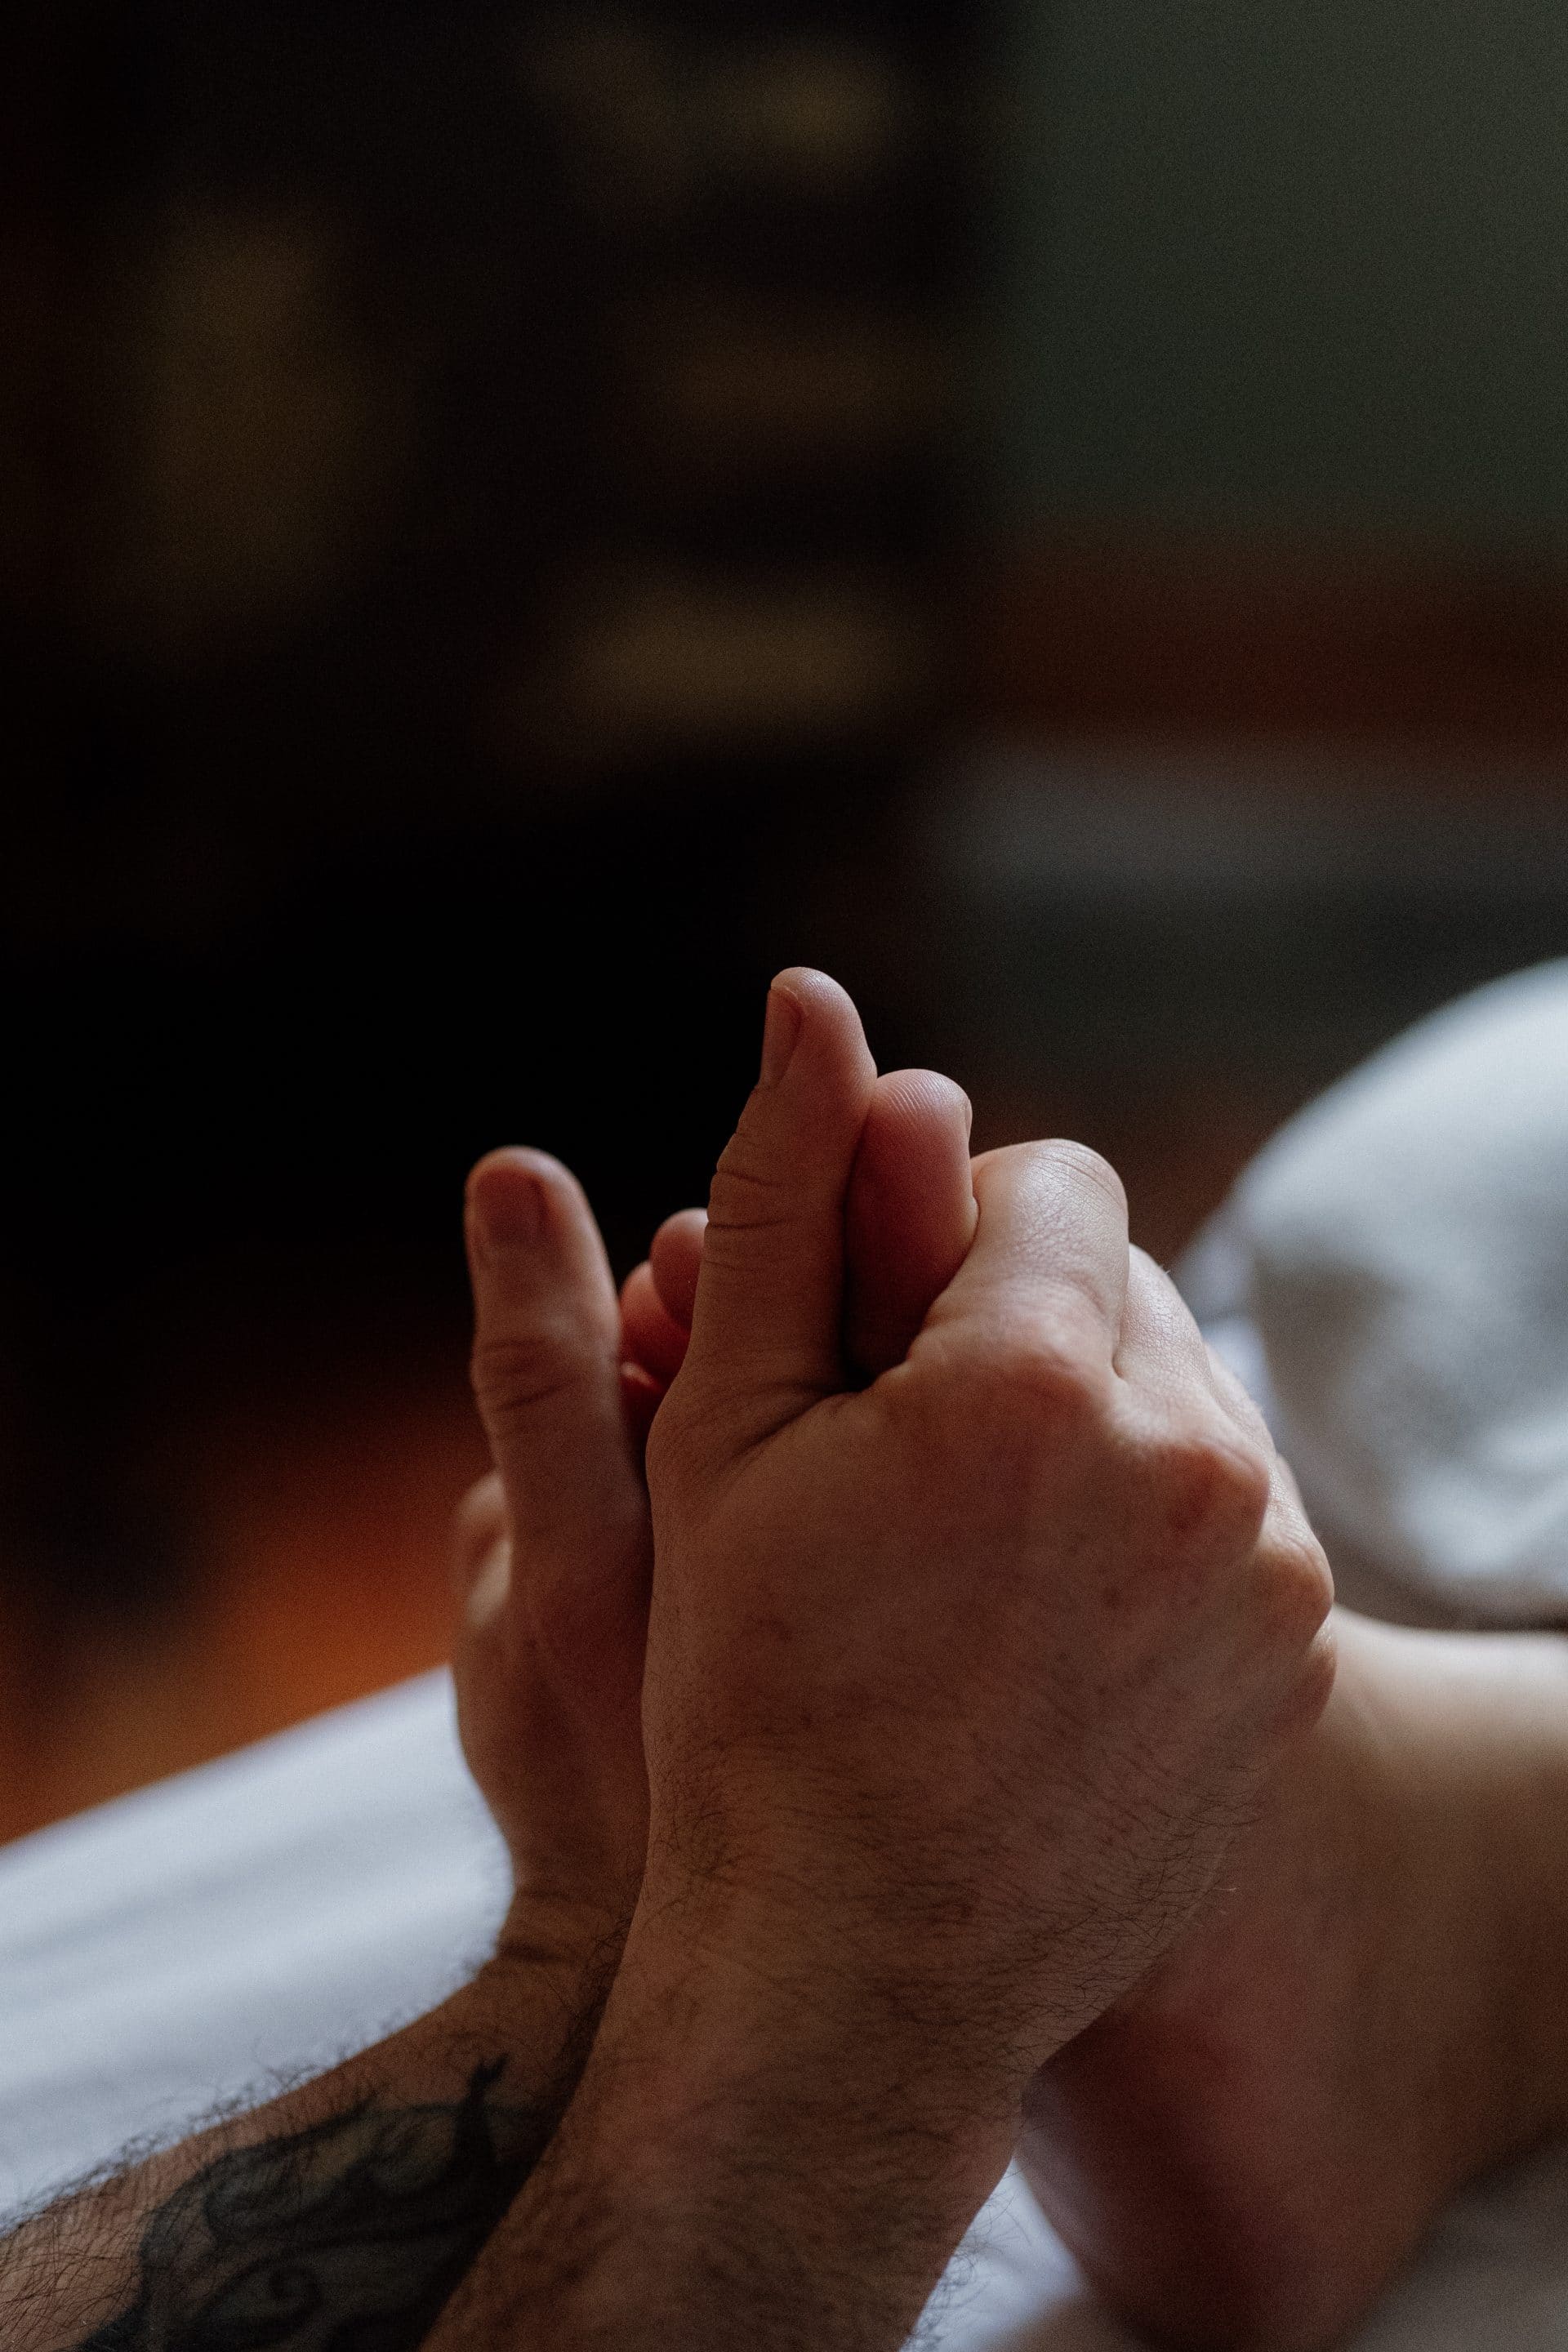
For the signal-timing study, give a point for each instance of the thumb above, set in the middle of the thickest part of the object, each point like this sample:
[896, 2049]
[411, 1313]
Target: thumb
[545, 1361]
[766, 1323]
[909, 1220]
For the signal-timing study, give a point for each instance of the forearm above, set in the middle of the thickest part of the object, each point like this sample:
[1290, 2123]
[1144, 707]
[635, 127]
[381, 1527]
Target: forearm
[742, 2164]
[350, 2205]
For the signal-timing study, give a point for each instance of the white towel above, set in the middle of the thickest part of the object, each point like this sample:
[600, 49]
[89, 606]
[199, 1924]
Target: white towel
[1401, 1250]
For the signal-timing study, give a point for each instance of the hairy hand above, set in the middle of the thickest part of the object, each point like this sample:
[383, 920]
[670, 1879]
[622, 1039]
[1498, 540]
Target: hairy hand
[960, 1684]
[553, 1549]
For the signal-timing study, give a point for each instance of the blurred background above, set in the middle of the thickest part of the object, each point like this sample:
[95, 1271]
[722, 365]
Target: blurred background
[519, 520]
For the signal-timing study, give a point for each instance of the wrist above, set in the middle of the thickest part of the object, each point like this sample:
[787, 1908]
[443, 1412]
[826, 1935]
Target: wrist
[537, 2000]
[743, 2153]
[568, 1937]
[826, 1946]
[741, 2007]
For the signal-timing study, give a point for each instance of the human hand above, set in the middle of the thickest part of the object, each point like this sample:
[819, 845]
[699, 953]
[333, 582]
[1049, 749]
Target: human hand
[908, 1219]
[958, 1688]
[551, 1561]
[552, 1552]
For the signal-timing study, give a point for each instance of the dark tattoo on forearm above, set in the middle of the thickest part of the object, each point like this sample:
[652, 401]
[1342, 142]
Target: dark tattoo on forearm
[346, 2237]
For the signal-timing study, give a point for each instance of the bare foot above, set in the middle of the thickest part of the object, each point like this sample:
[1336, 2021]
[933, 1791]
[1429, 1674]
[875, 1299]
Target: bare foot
[1243, 2152]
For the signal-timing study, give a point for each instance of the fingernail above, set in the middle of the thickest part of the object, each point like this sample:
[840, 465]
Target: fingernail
[781, 1031]
[508, 1209]
[968, 1114]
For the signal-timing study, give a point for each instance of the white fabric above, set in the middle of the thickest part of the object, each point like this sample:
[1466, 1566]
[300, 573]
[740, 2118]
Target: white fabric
[268, 1914]
[1401, 1249]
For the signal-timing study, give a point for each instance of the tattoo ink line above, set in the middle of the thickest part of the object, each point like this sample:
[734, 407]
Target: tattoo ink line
[348, 2237]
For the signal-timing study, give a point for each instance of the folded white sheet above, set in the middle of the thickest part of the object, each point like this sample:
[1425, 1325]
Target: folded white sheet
[1402, 1250]
[267, 1914]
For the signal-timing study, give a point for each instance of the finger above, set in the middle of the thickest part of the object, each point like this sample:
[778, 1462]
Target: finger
[909, 1220]
[641, 1396]
[1050, 1257]
[1164, 1357]
[479, 1525]
[650, 1336]
[1164, 1350]
[546, 1357]
[765, 1333]
[911, 1213]
[1161, 1346]
[675, 1257]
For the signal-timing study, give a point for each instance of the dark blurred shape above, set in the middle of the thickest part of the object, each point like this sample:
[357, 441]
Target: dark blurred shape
[523, 519]
[1269, 630]
[476, 560]
[1252, 918]
[1207, 637]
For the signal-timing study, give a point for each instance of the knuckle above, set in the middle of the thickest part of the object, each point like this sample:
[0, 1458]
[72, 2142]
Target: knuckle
[1300, 1583]
[1294, 1658]
[1315, 1680]
[1215, 1490]
[483, 1590]
[1046, 1378]
[516, 1375]
[479, 1523]
[746, 1195]
[1023, 1378]
[481, 1510]
[1082, 1161]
